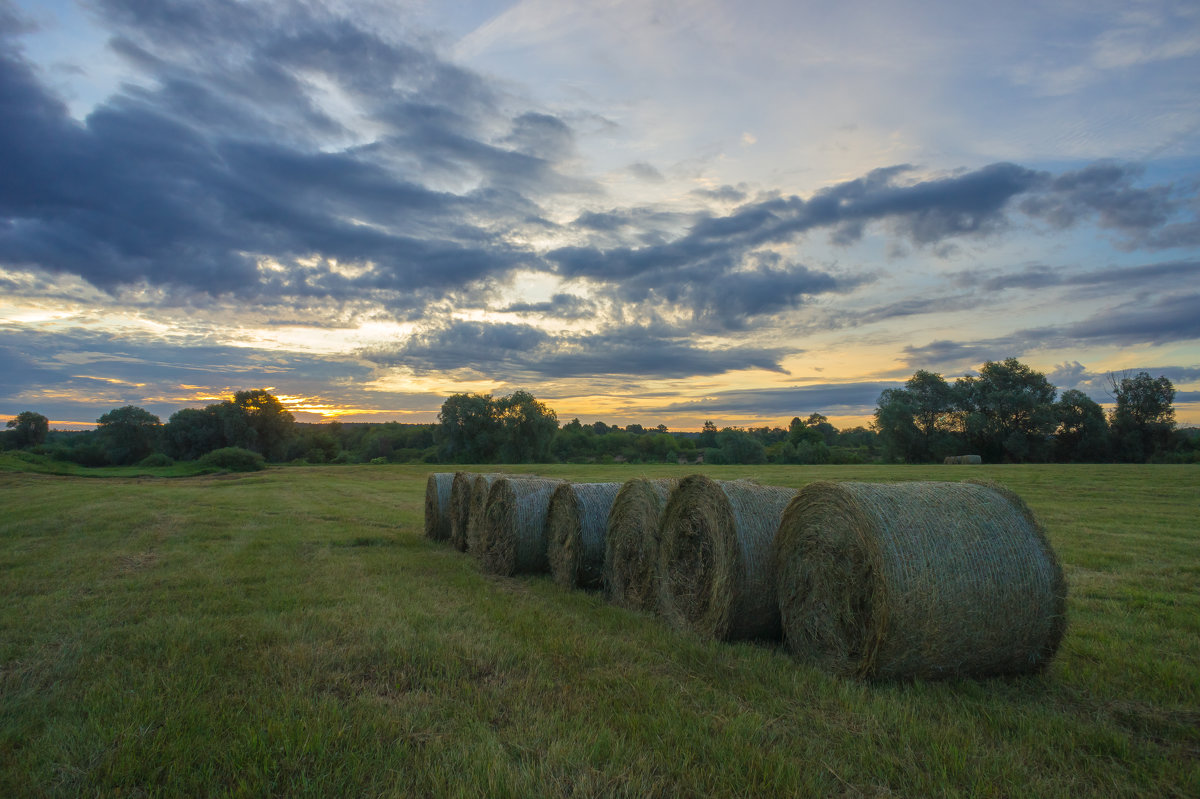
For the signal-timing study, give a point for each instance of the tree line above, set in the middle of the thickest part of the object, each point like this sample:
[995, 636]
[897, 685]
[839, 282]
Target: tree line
[1006, 413]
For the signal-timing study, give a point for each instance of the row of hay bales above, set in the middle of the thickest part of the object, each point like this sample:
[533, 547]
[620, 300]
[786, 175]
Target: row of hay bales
[880, 581]
[961, 459]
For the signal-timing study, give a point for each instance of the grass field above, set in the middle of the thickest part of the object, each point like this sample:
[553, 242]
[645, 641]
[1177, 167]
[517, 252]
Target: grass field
[291, 633]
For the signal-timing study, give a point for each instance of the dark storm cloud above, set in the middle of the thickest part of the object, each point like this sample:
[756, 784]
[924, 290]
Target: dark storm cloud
[1128, 278]
[217, 163]
[1156, 320]
[852, 398]
[560, 306]
[509, 351]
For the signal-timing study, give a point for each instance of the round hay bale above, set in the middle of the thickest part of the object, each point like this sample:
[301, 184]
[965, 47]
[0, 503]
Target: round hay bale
[481, 484]
[460, 504]
[971, 459]
[715, 557]
[631, 543]
[437, 506]
[575, 524]
[918, 579]
[513, 536]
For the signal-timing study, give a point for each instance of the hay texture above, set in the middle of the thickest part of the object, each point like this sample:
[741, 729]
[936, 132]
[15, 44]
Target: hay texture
[513, 536]
[460, 504]
[437, 506]
[481, 484]
[961, 459]
[576, 521]
[918, 579]
[631, 543]
[715, 557]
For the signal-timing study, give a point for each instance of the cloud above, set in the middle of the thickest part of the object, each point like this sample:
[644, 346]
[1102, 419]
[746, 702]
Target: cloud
[560, 306]
[838, 398]
[644, 171]
[516, 352]
[231, 154]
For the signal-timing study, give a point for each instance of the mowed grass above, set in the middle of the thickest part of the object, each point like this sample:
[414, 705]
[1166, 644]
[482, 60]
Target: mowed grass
[291, 633]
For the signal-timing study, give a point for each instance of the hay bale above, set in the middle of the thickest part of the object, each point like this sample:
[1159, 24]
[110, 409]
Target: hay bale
[481, 484]
[437, 506]
[972, 459]
[576, 521]
[513, 536]
[918, 579]
[715, 557]
[460, 503]
[631, 543]
[950, 460]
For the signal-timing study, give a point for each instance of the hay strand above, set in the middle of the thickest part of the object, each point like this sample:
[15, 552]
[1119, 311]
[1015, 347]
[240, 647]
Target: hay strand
[576, 521]
[513, 535]
[631, 543]
[715, 557]
[437, 506]
[918, 579]
[460, 504]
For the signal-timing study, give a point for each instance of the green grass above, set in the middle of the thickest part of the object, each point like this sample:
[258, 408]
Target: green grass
[291, 633]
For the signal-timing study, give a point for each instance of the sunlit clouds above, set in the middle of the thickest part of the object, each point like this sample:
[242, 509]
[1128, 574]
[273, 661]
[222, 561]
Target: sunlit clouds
[639, 212]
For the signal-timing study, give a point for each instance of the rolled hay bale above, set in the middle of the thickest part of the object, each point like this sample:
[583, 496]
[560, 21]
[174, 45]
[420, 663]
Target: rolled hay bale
[460, 504]
[576, 520]
[715, 557]
[920, 579]
[437, 506]
[972, 459]
[481, 484]
[631, 543]
[512, 539]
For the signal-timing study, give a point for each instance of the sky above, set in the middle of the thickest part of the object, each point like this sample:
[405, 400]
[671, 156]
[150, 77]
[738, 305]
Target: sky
[639, 211]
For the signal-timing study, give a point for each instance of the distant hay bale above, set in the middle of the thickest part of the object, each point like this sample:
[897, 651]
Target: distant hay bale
[975, 459]
[481, 484]
[437, 506]
[513, 536]
[918, 579]
[460, 505]
[576, 521]
[631, 543]
[715, 557]
[950, 460]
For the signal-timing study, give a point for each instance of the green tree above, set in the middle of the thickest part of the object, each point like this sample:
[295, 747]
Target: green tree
[272, 423]
[1009, 411]
[468, 429]
[128, 434]
[1082, 434]
[738, 446]
[527, 428]
[27, 429]
[192, 432]
[1144, 417]
[708, 436]
[895, 423]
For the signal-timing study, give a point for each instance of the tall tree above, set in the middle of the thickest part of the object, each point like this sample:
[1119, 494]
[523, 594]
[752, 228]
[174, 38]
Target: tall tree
[272, 423]
[128, 434]
[1009, 411]
[468, 429]
[895, 422]
[27, 429]
[527, 428]
[1082, 433]
[1144, 417]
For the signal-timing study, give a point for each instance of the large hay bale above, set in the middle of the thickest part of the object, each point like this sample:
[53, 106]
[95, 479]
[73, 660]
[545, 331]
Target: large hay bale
[460, 504]
[971, 459]
[715, 557]
[575, 524]
[481, 484]
[437, 506]
[631, 543]
[513, 536]
[918, 579]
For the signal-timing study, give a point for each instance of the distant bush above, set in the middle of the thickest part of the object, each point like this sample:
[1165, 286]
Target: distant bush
[233, 459]
[156, 459]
